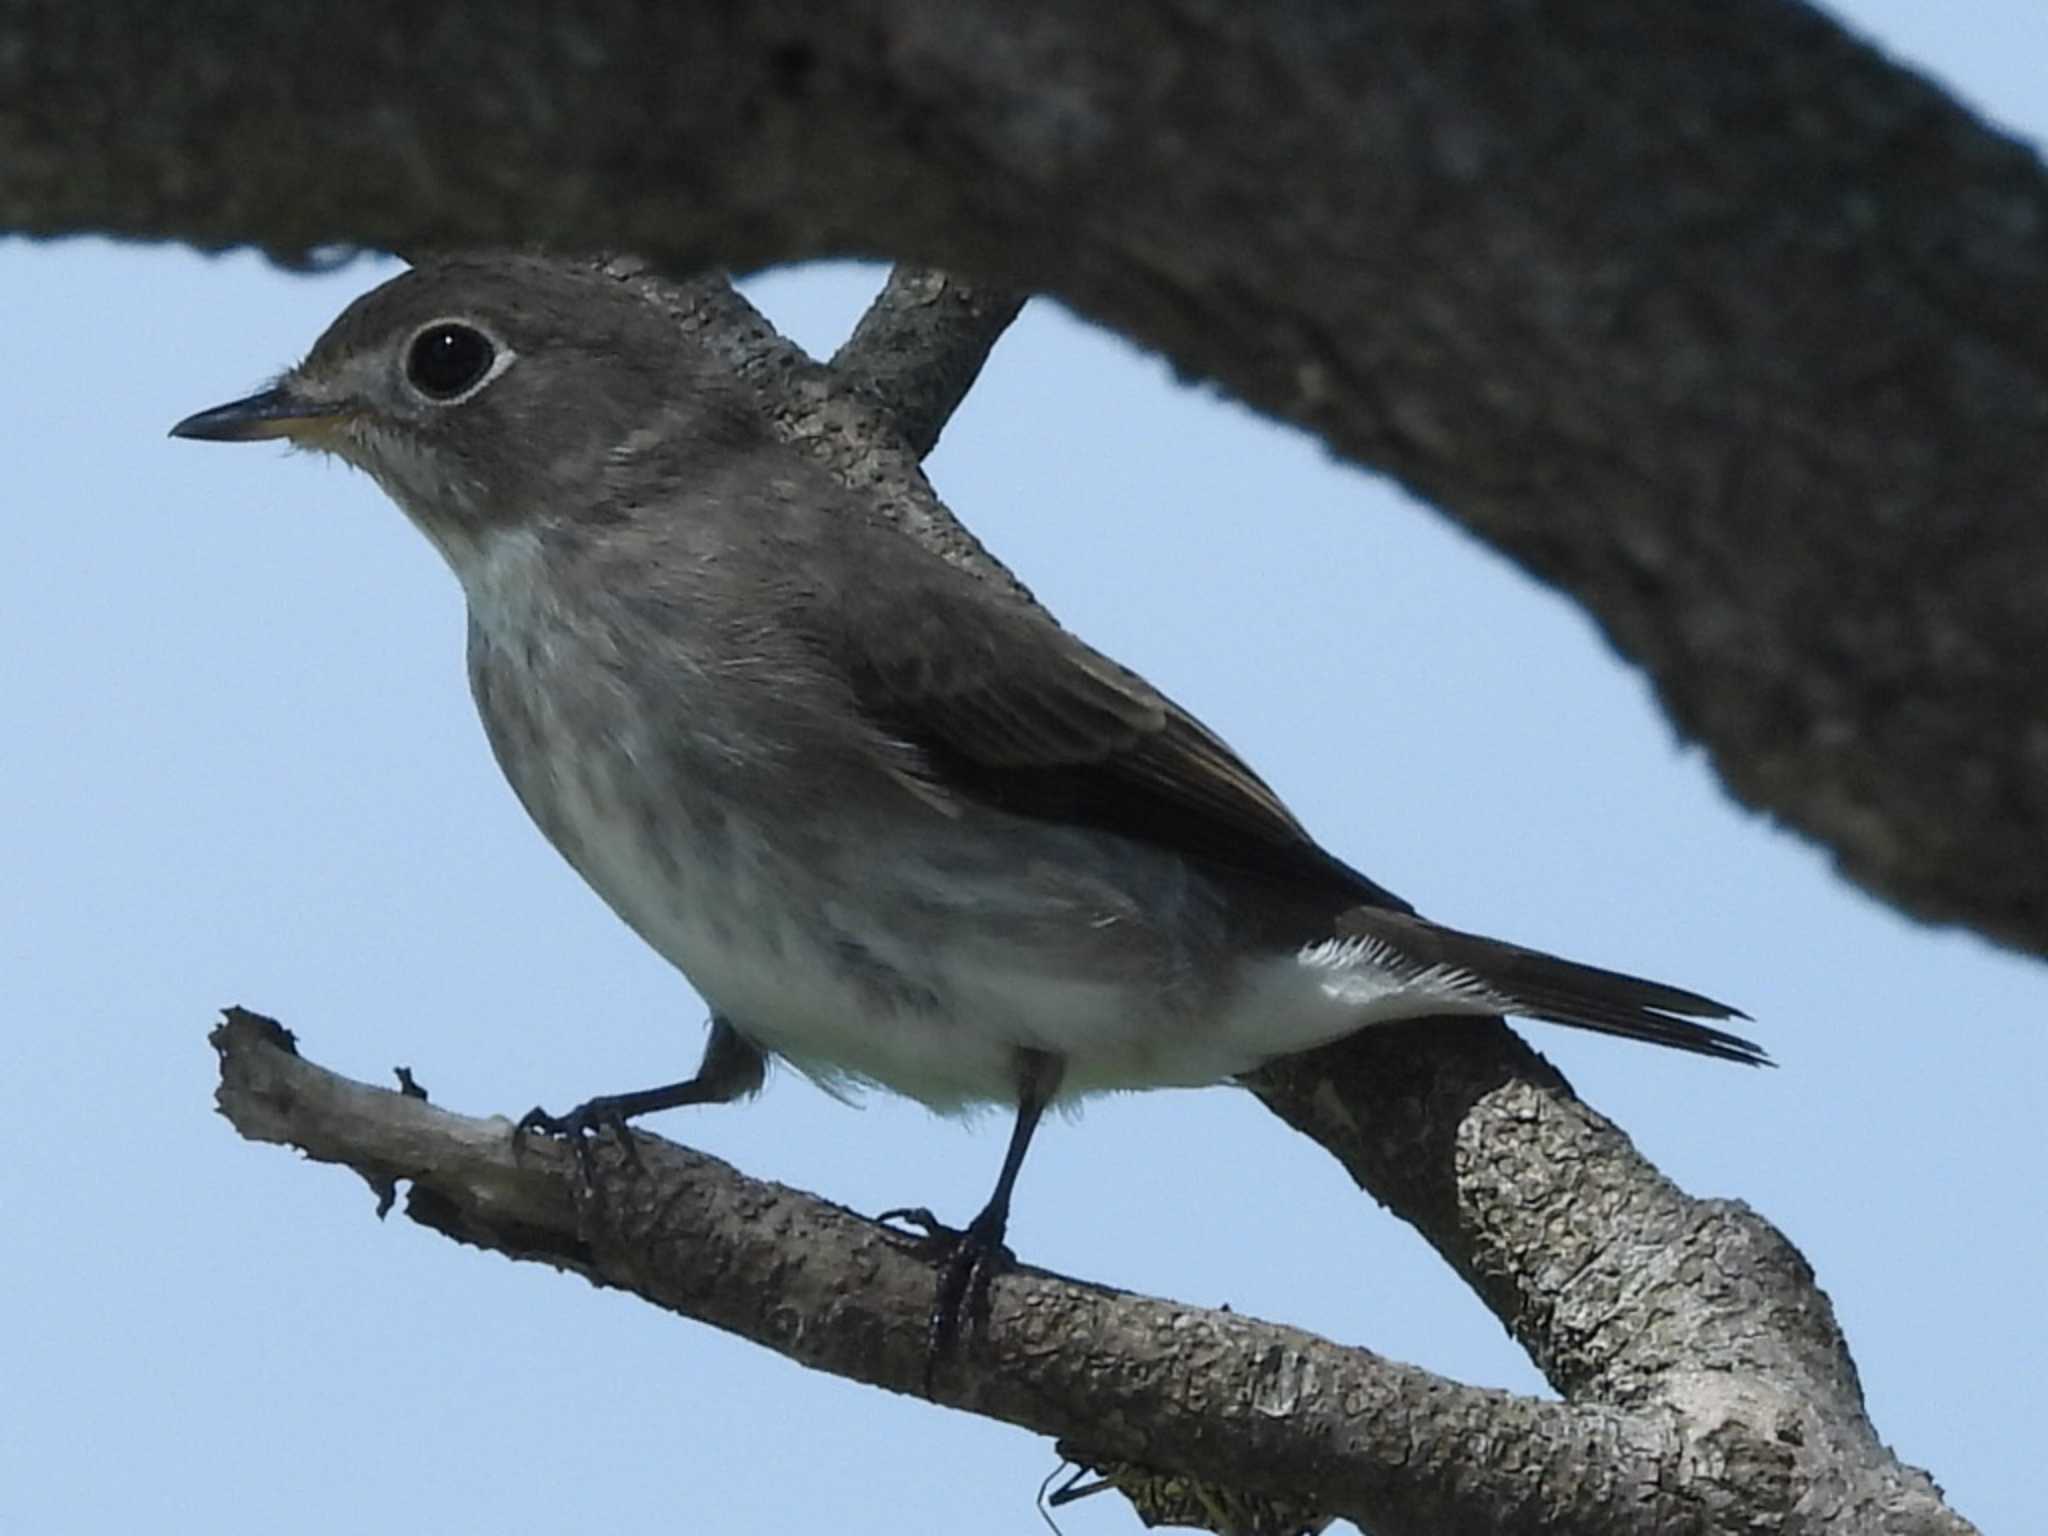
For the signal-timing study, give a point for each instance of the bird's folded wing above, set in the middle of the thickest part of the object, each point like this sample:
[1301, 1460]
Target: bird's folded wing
[1009, 709]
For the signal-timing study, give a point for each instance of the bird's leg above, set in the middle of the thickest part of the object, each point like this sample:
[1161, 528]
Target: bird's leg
[970, 1256]
[732, 1068]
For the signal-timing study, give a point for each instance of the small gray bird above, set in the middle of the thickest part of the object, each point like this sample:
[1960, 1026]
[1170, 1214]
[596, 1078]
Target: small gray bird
[897, 827]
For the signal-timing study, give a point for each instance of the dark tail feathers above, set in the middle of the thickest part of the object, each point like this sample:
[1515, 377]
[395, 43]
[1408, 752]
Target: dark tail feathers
[1539, 986]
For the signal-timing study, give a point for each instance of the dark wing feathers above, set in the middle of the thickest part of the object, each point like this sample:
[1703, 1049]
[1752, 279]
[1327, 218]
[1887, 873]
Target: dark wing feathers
[1009, 708]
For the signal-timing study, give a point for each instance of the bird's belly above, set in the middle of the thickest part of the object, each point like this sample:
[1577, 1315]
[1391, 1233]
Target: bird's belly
[924, 981]
[760, 938]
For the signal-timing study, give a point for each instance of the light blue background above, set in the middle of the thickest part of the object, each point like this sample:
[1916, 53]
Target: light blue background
[238, 764]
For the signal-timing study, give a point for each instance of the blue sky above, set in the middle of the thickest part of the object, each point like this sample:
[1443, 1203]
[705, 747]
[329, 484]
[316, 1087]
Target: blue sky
[238, 764]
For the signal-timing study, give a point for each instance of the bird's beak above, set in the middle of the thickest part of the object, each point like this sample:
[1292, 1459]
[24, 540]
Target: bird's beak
[274, 412]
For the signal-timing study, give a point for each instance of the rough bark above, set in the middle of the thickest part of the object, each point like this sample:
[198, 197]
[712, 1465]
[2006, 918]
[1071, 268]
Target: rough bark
[1245, 1404]
[1702, 311]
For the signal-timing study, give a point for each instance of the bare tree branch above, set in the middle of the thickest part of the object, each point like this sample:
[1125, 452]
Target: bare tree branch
[920, 347]
[1702, 311]
[1253, 1404]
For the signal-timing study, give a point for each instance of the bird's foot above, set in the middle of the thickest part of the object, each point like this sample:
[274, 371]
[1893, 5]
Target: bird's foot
[932, 1232]
[968, 1259]
[580, 1128]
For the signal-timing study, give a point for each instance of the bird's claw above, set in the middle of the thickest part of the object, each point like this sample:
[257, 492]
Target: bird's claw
[968, 1259]
[580, 1128]
[931, 1230]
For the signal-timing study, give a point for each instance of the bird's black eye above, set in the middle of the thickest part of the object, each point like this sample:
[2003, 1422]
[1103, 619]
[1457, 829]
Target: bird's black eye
[447, 359]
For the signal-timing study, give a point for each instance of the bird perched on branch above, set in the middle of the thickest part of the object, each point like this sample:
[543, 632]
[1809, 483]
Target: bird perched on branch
[895, 825]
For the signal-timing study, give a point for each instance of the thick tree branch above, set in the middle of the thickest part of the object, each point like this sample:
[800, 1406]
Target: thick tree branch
[1702, 311]
[1625, 1290]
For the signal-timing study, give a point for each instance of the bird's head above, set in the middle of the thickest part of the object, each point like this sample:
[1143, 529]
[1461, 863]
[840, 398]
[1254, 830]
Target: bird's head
[488, 392]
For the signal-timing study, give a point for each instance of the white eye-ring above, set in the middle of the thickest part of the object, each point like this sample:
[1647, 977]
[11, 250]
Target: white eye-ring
[447, 361]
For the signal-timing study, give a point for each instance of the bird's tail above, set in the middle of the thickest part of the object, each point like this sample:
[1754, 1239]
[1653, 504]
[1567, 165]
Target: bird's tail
[1507, 978]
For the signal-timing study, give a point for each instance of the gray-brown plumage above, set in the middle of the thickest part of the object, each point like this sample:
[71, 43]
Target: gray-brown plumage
[895, 827]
